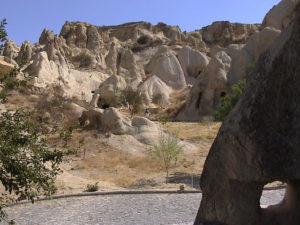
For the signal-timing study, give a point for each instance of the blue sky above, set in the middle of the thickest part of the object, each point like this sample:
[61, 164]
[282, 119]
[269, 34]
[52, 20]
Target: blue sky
[27, 18]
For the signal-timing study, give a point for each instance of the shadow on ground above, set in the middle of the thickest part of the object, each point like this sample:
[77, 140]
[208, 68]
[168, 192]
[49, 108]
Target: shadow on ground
[190, 180]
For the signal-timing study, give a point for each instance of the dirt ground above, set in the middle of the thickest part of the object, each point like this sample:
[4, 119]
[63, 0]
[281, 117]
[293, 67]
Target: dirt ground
[98, 161]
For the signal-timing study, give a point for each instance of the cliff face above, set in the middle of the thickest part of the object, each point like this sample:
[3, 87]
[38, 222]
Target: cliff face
[211, 59]
[259, 143]
[83, 56]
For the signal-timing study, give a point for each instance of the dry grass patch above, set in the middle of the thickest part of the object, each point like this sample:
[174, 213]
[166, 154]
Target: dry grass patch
[193, 131]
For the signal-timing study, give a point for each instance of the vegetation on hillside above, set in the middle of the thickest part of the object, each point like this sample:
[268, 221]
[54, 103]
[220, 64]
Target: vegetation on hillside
[229, 100]
[28, 167]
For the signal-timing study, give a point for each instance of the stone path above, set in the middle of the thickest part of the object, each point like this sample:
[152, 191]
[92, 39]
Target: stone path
[142, 209]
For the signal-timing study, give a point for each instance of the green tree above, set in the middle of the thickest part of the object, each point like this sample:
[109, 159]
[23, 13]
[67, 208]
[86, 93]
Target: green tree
[167, 150]
[229, 100]
[3, 34]
[27, 166]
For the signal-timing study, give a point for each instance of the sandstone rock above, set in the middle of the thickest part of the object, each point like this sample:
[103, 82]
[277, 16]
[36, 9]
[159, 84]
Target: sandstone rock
[146, 131]
[110, 88]
[207, 90]
[192, 63]
[25, 53]
[166, 66]
[107, 120]
[224, 33]
[153, 85]
[280, 15]
[128, 68]
[258, 143]
[11, 50]
[5, 66]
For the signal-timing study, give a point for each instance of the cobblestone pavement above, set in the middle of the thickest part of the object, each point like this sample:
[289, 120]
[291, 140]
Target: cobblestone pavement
[142, 209]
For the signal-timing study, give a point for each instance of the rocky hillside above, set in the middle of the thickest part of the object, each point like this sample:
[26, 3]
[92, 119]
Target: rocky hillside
[155, 59]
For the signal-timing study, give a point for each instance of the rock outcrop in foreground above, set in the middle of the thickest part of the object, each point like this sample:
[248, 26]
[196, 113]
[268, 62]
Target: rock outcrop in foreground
[259, 143]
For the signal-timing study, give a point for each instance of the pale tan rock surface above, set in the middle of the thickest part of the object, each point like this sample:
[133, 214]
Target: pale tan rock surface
[192, 62]
[166, 66]
[5, 66]
[280, 15]
[153, 86]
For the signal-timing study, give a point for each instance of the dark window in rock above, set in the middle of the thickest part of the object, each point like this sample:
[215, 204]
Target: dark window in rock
[199, 72]
[222, 94]
[198, 100]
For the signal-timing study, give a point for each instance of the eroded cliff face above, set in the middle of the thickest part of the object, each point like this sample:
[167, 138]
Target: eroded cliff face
[259, 143]
[83, 56]
[211, 59]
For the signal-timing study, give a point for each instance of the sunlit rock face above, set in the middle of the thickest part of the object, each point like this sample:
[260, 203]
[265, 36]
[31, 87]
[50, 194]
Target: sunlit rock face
[259, 143]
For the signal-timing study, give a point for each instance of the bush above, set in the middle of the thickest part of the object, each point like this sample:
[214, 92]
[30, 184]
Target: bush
[167, 150]
[157, 98]
[28, 166]
[229, 100]
[135, 99]
[83, 59]
[144, 39]
[92, 187]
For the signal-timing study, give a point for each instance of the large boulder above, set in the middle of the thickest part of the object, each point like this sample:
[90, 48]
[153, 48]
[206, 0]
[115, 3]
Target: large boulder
[154, 86]
[110, 88]
[5, 66]
[166, 66]
[280, 15]
[192, 62]
[258, 143]
[109, 120]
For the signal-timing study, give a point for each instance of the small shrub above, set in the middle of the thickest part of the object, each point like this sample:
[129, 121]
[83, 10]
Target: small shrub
[229, 100]
[135, 99]
[3, 97]
[83, 59]
[167, 150]
[92, 187]
[157, 98]
[144, 39]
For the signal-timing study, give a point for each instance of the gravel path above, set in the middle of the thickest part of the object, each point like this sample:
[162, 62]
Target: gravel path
[152, 209]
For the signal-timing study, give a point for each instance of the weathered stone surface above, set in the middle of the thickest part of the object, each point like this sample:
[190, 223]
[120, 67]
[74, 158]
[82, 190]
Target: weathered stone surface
[205, 94]
[5, 66]
[11, 50]
[224, 33]
[259, 143]
[25, 53]
[208, 88]
[166, 66]
[192, 62]
[280, 15]
[152, 86]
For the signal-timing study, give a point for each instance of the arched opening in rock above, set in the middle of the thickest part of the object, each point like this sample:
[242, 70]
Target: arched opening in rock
[198, 100]
[286, 206]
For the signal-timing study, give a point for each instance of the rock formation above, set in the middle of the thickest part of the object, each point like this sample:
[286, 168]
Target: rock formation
[5, 66]
[208, 87]
[259, 143]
